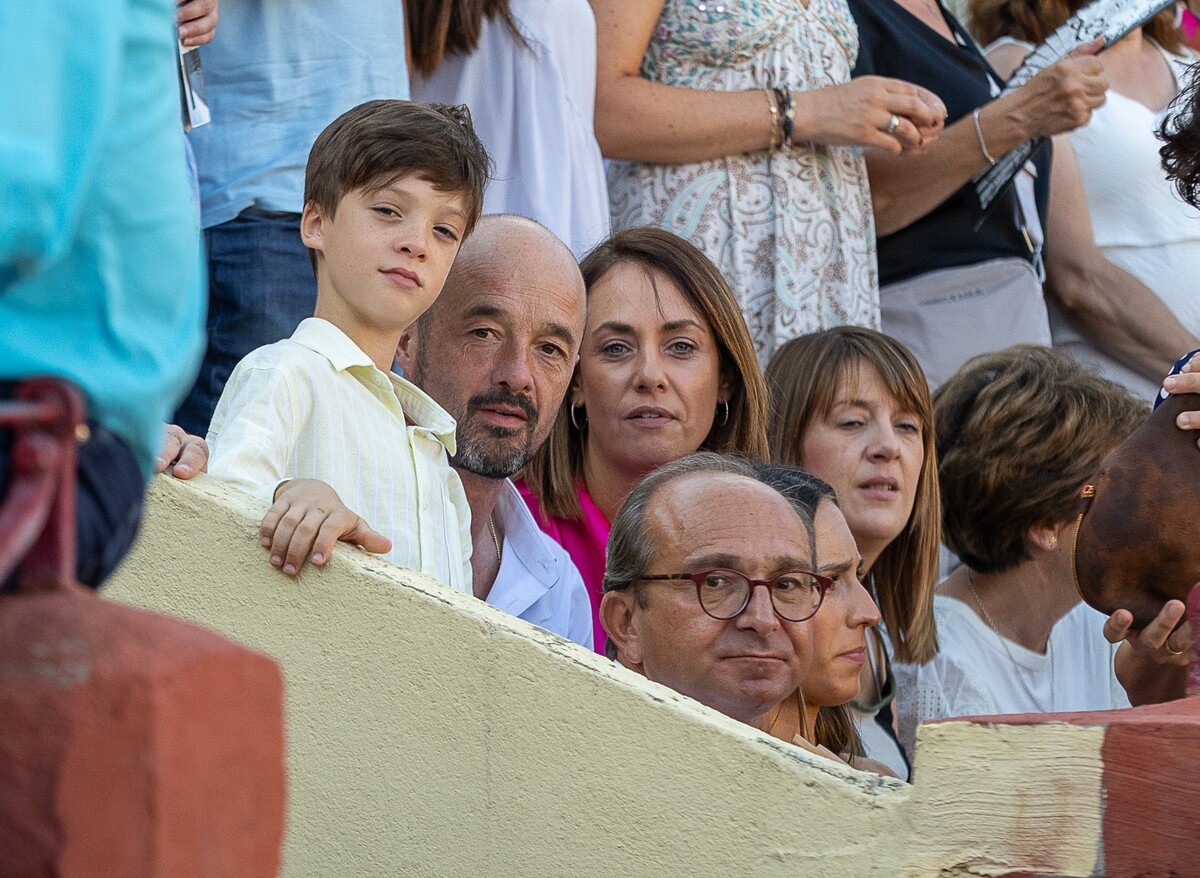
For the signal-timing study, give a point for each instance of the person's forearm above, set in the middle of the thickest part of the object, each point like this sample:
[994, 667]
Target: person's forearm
[646, 121]
[1118, 314]
[906, 188]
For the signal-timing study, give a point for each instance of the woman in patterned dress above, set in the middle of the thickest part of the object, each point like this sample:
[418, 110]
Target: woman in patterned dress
[684, 106]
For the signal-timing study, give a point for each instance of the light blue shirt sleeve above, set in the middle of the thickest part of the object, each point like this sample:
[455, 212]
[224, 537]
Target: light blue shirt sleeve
[57, 80]
[276, 73]
[101, 272]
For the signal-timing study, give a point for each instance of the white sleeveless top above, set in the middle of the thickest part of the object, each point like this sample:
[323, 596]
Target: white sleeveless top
[1140, 223]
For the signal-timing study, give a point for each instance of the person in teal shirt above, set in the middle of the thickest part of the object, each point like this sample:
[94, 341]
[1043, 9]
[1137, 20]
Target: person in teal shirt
[100, 258]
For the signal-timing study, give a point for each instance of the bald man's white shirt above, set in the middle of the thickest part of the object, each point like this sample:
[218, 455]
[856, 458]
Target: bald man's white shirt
[314, 406]
[537, 581]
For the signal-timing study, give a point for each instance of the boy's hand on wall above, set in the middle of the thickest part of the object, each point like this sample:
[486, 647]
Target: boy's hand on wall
[307, 519]
[184, 454]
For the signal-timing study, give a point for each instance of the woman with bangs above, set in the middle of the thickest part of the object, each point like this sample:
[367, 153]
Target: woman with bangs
[852, 406]
[666, 368]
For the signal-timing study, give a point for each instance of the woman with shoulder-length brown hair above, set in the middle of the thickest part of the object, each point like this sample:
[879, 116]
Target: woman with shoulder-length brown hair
[852, 406]
[1019, 433]
[666, 368]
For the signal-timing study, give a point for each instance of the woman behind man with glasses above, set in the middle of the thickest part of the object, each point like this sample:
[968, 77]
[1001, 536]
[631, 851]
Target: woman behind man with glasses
[852, 406]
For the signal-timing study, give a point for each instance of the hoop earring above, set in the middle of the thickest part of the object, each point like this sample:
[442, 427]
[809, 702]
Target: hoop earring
[725, 419]
[575, 423]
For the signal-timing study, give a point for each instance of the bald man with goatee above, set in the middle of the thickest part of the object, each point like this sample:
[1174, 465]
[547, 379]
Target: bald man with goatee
[496, 350]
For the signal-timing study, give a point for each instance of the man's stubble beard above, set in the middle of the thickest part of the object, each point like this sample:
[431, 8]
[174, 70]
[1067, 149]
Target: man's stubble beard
[472, 439]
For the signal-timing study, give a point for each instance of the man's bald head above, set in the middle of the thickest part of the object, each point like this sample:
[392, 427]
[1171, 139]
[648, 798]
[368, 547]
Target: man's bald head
[504, 245]
[498, 348]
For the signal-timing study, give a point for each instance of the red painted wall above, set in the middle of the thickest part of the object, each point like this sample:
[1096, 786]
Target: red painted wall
[134, 745]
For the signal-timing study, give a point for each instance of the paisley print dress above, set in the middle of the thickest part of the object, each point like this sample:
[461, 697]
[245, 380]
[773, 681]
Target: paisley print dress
[792, 230]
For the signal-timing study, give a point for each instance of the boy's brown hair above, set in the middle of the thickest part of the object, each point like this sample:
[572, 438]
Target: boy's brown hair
[377, 143]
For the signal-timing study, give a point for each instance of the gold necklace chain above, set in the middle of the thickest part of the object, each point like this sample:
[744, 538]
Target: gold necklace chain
[495, 539]
[987, 617]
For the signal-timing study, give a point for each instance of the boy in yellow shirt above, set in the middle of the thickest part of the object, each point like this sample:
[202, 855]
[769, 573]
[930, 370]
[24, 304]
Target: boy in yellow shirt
[391, 190]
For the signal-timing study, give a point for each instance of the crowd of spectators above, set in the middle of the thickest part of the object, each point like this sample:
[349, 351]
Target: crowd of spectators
[776, 341]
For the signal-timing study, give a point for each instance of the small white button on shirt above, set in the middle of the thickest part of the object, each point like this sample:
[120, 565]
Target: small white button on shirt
[314, 406]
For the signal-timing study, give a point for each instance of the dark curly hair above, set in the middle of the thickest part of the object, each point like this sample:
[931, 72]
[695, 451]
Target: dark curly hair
[1180, 134]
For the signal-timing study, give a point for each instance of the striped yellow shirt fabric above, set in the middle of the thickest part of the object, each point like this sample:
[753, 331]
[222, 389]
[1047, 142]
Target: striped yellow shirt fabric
[315, 406]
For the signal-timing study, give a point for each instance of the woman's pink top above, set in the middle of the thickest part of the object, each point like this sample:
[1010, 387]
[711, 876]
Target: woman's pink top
[585, 540]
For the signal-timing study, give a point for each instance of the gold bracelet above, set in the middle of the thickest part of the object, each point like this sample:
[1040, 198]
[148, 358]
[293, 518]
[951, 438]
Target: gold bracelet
[982, 143]
[773, 109]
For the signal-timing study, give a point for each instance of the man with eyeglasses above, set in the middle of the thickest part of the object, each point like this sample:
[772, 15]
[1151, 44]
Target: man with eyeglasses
[708, 583]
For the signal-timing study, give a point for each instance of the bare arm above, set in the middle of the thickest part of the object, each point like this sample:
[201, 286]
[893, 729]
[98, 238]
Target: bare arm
[1060, 98]
[648, 121]
[1108, 305]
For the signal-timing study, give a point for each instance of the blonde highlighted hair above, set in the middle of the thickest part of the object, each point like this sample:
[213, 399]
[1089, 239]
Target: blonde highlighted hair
[802, 381]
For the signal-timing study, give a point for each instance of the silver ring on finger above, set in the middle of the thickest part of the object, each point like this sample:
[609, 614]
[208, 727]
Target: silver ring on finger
[893, 124]
[1167, 646]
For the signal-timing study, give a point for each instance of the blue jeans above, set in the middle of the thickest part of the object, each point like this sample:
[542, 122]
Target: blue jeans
[260, 286]
[108, 501]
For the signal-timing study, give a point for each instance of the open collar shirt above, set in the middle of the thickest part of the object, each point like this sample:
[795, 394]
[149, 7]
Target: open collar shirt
[315, 406]
[537, 581]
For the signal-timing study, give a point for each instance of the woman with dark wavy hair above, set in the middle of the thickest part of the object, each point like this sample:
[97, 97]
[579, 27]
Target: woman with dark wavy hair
[1180, 134]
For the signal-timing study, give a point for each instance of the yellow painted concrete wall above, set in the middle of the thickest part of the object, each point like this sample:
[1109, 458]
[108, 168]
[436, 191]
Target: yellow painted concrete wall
[430, 735]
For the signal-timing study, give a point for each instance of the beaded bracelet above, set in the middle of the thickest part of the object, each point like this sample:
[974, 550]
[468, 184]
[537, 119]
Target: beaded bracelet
[787, 116]
[773, 109]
